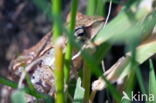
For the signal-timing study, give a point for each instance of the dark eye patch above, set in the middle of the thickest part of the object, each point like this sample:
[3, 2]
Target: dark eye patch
[80, 32]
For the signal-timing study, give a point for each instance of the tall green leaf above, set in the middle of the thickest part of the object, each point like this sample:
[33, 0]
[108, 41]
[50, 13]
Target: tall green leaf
[18, 96]
[79, 92]
[152, 81]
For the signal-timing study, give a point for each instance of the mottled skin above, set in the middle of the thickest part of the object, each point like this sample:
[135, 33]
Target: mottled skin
[92, 25]
[42, 73]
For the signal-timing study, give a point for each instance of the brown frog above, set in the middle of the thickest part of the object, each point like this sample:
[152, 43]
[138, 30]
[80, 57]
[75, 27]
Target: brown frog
[41, 72]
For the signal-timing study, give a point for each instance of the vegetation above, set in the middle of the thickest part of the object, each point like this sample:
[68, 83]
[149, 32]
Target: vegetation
[133, 27]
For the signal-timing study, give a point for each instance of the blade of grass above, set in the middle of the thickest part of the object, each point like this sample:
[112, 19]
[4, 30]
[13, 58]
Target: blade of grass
[120, 70]
[86, 82]
[79, 92]
[18, 97]
[140, 80]
[114, 76]
[131, 79]
[59, 73]
[128, 24]
[130, 83]
[30, 85]
[56, 9]
[100, 7]
[8, 82]
[148, 25]
[59, 58]
[115, 94]
[12, 84]
[143, 52]
[152, 80]
[91, 7]
[87, 78]
[68, 54]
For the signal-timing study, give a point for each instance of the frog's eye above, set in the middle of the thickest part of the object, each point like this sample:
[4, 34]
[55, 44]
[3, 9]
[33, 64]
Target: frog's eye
[80, 32]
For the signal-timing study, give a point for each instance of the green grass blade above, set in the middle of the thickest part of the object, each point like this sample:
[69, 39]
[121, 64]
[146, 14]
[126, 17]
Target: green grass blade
[12, 84]
[143, 52]
[127, 26]
[91, 7]
[68, 54]
[79, 92]
[152, 80]
[8, 82]
[30, 85]
[59, 57]
[59, 73]
[86, 81]
[140, 80]
[56, 10]
[115, 94]
[100, 7]
[18, 97]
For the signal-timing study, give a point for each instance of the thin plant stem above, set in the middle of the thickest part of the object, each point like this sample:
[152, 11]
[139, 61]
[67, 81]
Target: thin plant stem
[59, 74]
[100, 7]
[59, 58]
[86, 70]
[109, 11]
[86, 82]
[91, 7]
[68, 55]
[12, 84]
[56, 11]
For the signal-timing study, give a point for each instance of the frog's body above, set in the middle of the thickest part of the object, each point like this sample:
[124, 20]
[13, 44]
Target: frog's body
[42, 72]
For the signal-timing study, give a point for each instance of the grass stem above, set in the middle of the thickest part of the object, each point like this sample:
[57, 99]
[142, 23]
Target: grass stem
[59, 58]
[59, 74]
[68, 55]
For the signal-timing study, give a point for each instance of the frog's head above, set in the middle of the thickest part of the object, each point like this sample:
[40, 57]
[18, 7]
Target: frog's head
[86, 27]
